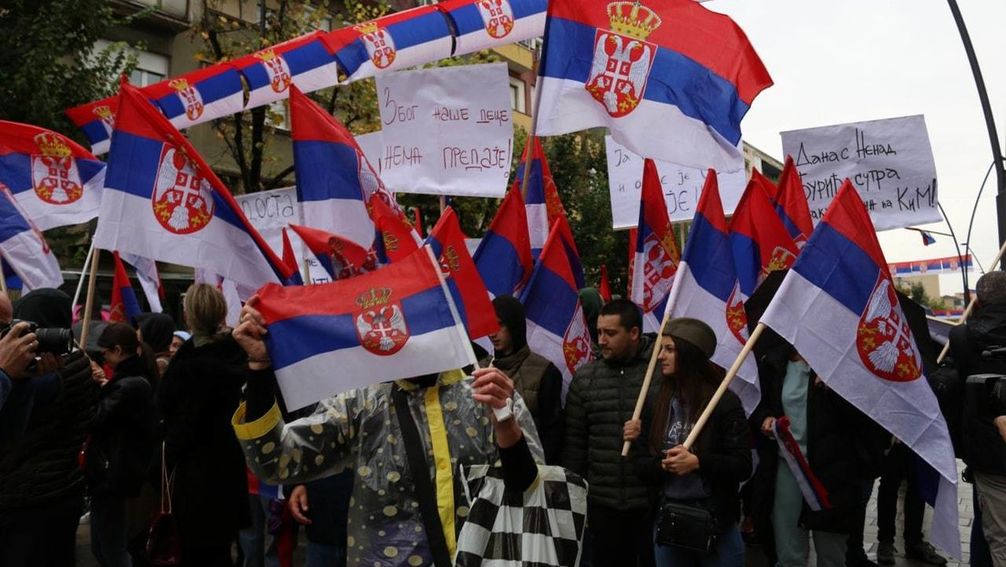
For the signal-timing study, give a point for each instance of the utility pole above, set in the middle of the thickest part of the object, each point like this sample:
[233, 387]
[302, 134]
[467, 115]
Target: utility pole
[997, 154]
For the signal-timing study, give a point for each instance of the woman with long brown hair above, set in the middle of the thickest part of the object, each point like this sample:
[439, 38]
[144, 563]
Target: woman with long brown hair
[695, 522]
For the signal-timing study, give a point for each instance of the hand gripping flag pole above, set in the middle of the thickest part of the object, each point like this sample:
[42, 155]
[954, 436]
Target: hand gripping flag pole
[971, 306]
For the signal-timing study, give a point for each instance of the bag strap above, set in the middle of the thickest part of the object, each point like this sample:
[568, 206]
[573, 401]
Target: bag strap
[426, 495]
[166, 480]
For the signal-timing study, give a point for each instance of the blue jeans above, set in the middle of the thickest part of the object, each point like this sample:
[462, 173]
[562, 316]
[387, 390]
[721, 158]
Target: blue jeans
[325, 555]
[108, 531]
[729, 552]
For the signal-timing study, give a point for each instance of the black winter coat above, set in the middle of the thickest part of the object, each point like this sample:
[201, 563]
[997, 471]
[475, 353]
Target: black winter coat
[844, 447]
[42, 466]
[199, 393]
[724, 452]
[124, 432]
[982, 447]
[601, 399]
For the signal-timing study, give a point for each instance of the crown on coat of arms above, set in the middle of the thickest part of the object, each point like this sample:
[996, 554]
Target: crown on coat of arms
[179, 84]
[266, 55]
[102, 111]
[52, 145]
[632, 19]
[373, 298]
[367, 28]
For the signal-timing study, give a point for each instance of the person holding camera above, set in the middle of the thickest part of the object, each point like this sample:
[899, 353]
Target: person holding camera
[697, 485]
[122, 442]
[41, 483]
[984, 432]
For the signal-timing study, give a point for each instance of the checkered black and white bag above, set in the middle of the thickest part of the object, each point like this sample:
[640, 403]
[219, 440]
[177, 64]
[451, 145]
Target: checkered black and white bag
[542, 526]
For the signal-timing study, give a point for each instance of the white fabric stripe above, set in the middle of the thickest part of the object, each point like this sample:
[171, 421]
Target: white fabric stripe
[824, 332]
[27, 257]
[566, 106]
[127, 224]
[524, 28]
[410, 57]
[101, 147]
[694, 301]
[347, 218]
[799, 476]
[309, 81]
[537, 224]
[544, 343]
[222, 107]
[46, 215]
[146, 273]
[331, 373]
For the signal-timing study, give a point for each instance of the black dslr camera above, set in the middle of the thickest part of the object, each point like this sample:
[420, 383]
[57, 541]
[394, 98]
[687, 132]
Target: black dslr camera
[53, 340]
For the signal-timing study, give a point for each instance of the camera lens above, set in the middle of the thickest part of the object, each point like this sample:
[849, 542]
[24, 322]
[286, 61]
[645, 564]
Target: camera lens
[56, 341]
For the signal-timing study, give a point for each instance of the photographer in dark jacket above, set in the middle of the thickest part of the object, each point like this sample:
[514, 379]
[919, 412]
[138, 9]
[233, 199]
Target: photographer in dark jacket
[842, 446]
[709, 475]
[983, 435]
[41, 484]
[123, 439]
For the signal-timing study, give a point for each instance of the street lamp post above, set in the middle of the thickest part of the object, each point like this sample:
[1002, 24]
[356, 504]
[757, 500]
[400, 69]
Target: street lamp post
[983, 95]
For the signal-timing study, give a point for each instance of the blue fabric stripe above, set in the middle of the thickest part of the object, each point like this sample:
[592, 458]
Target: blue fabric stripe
[130, 303]
[710, 260]
[15, 172]
[787, 221]
[326, 170]
[298, 338]
[549, 301]
[210, 89]
[132, 164]
[95, 131]
[497, 262]
[459, 301]
[307, 57]
[12, 222]
[409, 33]
[674, 78]
[535, 193]
[839, 267]
[747, 261]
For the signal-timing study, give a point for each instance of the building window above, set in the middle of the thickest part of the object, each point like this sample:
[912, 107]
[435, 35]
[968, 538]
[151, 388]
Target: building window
[517, 95]
[150, 67]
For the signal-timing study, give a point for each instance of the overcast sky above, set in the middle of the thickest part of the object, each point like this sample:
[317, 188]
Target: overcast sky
[855, 60]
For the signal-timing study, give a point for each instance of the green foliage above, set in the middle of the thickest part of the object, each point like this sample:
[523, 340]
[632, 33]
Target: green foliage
[917, 292]
[49, 62]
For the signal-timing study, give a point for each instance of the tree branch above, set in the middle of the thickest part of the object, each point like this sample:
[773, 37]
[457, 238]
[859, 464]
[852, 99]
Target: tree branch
[278, 179]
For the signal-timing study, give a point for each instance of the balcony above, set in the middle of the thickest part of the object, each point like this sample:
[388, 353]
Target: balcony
[171, 14]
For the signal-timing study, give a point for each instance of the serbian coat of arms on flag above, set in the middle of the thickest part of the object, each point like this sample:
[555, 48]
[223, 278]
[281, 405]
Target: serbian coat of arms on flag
[379, 43]
[498, 17]
[623, 58]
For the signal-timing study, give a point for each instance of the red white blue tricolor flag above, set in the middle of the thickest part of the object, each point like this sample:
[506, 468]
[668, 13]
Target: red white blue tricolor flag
[55, 181]
[503, 257]
[341, 258]
[304, 61]
[838, 308]
[706, 288]
[23, 247]
[149, 278]
[199, 96]
[791, 204]
[484, 24]
[397, 322]
[657, 256]
[556, 326]
[671, 80]
[396, 41]
[124, 307]
[761, 244]
[163, 202]
[96, 120]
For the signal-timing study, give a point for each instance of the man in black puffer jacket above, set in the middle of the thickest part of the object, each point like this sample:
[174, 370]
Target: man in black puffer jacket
[601, 399]
[41, 484]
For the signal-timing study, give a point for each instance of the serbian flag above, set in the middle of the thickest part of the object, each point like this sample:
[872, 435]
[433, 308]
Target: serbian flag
[566, 234]
[485, 24]
[503, 257]
[541, 199]
[397, 322]
[340, 257]
[397, 237]
[304, 61]
[837, 306]
[604, 288]
[123, 307]
[556, 326]
[334, 178]
[463, 279]
[96, 120]
[671, 82]
[791, 204]
[23, 248]
[199, 96]
[162, 201]
[706, 288]
[396, 41]
[288, 256]
[150, 280]
[927, 238]
[657, 253]
[55, 181]
[760, 242]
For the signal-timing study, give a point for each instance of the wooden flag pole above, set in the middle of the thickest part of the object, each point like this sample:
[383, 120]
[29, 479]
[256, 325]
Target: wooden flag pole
[734, 368]
[89, 301]
[83, 271]
[971, 306]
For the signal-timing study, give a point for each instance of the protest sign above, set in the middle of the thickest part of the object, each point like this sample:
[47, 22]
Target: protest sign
[271, 211]
[446, 131]
[682, 186]
[371, 145]
[889, 161]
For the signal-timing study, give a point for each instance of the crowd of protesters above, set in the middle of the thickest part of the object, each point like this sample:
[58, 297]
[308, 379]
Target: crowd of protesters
[177, 447]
